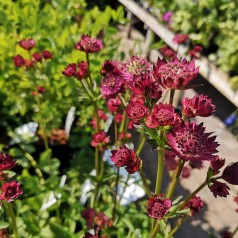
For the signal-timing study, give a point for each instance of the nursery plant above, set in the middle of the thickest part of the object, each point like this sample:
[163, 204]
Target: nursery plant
[84, 192]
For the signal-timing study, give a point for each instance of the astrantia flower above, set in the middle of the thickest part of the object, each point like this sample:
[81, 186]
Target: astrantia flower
[199, 105]
[40, 89]
[47, 54]
[167, 16]
[89, 44]
[167, 52]
[111, 85]
[190, 142]
[70, 70]
[18, 61]
[10, 191]
[146, 86]
[230, 173]
[100, 138]
[219, 189]
[37, 56]
[136, 68]
[162, 115]
[27, 44]
[113, 104]
[226, 234]
[109, 67]
[78, 71]
[175, 74]
[158, 207]
[195, 204]
[136, 110]
[180, 38]
[6, 162]
[217, 163]
[29, 63]
[126, 157]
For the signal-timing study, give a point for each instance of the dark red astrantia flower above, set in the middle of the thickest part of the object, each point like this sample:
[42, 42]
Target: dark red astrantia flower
[10, 191]
[158, 207]
[219, 189]
[18, 61]
[195, 204]
[190, 142]
[6, 162]
[100, 138]
[162, 115]
[199, 105]
[27, 44]
[216, 164]
[47, 54]
[180, 38]
[175, 74]
[124, 157]
[230, 173]
[89, 44]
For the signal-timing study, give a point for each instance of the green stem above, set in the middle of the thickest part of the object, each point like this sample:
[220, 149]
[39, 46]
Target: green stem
[37, 169]
[180, 206]
[171, 96]
[235, 231]
[86, 89]
[89, 72]
[143, 178]
[11, 215]
[175, 178]
[177, 225]
[155, 230]
[115, 198]
[159, 171]
[141, 144]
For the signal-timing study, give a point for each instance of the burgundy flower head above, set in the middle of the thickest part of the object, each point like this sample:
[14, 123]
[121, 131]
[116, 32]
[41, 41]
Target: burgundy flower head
[146, 86]
[195, 204]
[167, 52]
[216, 164]
[18, 61]
[47, 54]
[111, 85]
[10, 191]
[113, 104]
[180, 38]
[37, 56]
[136, 110]
[126, 157]
[190, 142]
[89, 44]
[199, 105]
[136, 68]
[100, 138]
[27, 44]
[175, 74]
[6, 162]
[29, 63]
[226, 234]
[40, 89]
[158, 207]
[162, 115]
[230, 173]
[219, 189]
[109, 67]
[78, 71]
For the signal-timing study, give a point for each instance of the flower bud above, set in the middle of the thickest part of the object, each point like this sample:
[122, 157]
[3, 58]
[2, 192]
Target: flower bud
[230, 173]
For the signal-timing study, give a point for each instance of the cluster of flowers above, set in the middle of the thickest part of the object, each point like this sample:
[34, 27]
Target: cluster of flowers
[97, 221]
[19, 61]
[10, 189]
[29, 44]
[137, 85]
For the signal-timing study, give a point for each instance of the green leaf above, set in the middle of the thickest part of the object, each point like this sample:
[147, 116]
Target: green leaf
[3, 225]
[60, 231]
